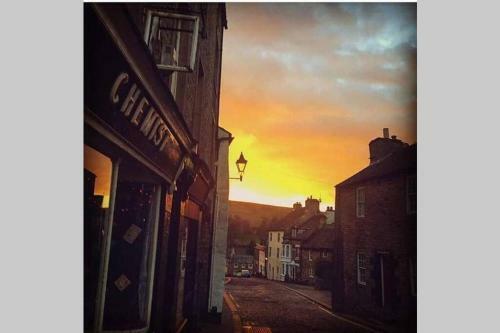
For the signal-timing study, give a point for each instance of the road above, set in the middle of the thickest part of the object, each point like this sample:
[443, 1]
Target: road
[262, 302]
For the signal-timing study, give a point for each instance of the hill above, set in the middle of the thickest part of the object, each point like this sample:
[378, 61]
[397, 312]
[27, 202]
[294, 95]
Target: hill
[255, 213]
[249, 221]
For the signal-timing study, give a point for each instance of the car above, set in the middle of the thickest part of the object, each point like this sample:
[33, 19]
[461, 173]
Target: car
[245, 273]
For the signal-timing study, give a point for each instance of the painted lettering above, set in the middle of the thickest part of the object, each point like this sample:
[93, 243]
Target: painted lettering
[128, 103]
[121, 79]
[139, 111]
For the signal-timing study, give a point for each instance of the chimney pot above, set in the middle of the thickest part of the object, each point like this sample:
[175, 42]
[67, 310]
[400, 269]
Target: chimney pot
[386, 133]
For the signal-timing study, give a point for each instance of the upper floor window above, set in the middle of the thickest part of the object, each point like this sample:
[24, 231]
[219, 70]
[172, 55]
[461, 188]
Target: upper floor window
[360, 202]
[361, 268]
[277, 252]
[310, 258]
[411, 194]
[278, 236]
[163, 33]
[270, 251]
[324, 254]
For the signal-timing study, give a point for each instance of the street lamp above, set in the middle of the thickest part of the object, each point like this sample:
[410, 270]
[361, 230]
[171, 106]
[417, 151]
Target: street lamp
[241, 164]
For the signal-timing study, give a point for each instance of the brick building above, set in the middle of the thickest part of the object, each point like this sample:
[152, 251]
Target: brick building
[375, 236]
[151, 112]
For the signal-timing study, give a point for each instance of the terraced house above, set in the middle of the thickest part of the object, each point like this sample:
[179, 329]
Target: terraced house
[375, 236]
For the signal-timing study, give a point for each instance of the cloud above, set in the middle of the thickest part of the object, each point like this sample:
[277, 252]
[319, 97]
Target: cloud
[306, 86]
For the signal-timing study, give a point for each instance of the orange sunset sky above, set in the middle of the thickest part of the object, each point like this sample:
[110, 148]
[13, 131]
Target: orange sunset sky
[305, 87]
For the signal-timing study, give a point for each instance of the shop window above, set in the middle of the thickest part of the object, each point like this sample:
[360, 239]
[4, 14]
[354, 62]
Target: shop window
[132, 250]
[97, 188]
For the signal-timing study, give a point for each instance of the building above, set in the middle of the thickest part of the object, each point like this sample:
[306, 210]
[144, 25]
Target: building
[375, 236]
[240, 258]
[151, 110]
[274, 247]
[317, 257]
[260, 260]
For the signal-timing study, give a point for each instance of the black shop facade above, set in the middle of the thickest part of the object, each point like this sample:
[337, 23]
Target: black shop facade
[144, 186]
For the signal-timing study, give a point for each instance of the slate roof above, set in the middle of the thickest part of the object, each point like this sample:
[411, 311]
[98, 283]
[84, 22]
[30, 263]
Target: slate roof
[402, 160]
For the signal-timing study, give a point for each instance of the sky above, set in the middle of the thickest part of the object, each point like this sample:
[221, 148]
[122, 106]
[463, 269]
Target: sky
[306, 87]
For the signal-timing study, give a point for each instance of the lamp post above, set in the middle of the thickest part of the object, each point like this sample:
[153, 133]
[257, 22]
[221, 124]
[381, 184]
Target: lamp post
[241, 164]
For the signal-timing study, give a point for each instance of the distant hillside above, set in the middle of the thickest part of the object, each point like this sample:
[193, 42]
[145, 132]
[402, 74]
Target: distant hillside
[255, 213]
[249, 222]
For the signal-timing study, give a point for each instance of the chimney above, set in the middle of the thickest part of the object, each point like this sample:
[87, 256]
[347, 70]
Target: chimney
[382, 147]
[312, 205]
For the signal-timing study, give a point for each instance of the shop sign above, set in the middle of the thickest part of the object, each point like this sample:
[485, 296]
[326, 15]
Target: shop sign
[117, 96]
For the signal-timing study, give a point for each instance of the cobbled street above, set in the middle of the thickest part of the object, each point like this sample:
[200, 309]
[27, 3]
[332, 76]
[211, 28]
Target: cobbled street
[262, 302]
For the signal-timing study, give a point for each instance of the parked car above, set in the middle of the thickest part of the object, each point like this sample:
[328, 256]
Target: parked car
[245, 273]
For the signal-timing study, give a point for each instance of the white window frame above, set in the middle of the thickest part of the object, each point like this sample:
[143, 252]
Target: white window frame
[194, 42]
[324, 254]
[409, 210]
[360, 200]
[361, 267]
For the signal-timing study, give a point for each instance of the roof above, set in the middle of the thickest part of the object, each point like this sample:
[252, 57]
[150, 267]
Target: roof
[402, 160]
[322, 238]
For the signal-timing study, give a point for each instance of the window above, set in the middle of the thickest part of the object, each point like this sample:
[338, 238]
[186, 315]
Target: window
[362, 269]
[243, 265]
[96, 192]
[411, 194]
[129, 283]
[250, 266]
[324, 254]
[309, 252]
[270, 251]
[235, 265]
[360, 202]
[163, 33]
[311, 273]
[270, 236]
[277, 252]
[278, 237]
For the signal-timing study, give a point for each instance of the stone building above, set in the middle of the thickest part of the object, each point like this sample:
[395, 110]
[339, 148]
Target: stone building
[375, 236]
[151, 112]
[317, 257]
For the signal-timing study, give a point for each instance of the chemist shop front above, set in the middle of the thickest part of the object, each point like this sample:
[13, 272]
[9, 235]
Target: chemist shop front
[137, 157]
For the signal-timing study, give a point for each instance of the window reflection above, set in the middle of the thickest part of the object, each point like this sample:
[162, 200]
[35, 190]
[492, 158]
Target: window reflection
[100, 167]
